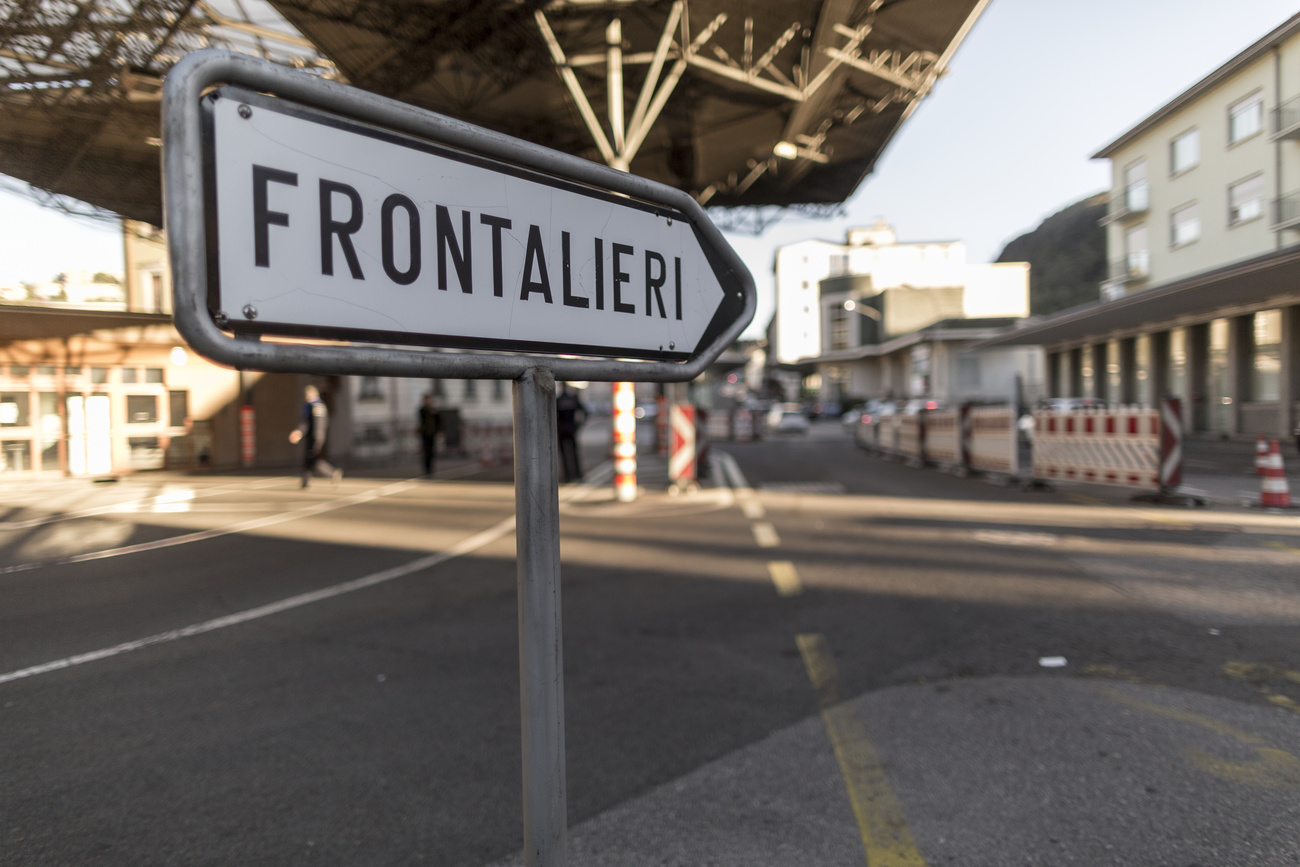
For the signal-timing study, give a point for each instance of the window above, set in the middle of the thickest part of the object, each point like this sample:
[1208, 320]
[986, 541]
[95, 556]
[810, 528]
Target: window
[19, 371]
[129, 374]
[1185, 151]
[498, 391]
[1135, 186]
[72, 371]
[141, 408]
[1177, 380]
[1137, 255]
[99, 375]
[1246, 200]
[15, 409]
[370, 389]
[1184, 225]
[839, 328]
[178, 408]
[46, 370]
[1266, 370]
[1245, 118]
[471, 389]
[153, 374]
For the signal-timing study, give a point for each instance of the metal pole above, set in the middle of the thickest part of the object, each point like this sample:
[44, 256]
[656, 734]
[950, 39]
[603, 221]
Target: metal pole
[541, 659]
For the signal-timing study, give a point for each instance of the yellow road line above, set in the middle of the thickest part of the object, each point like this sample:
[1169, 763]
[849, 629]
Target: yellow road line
[885, 835]
[785, 577]
[765, 535]
[1271, 769]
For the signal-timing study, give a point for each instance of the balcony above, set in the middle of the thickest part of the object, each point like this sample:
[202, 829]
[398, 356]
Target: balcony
[1127, 203]
[1286, 212]
[1134, 268]
[1286, 120]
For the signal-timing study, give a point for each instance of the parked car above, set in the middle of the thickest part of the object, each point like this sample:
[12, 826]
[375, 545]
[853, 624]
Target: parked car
[850, 417]
[867, 431]
[787, 418]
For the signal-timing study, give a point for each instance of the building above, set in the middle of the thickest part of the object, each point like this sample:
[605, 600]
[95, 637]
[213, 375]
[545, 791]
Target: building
[875, 318]
[1203, 297]
[96, 381]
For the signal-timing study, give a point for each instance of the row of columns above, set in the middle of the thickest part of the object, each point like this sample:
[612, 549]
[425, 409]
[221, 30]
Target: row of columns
[1215, 383]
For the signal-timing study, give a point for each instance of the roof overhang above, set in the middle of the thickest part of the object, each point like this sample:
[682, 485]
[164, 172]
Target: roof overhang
[754, 103]
[1277, 36]
[1267, 281]
[19, 323]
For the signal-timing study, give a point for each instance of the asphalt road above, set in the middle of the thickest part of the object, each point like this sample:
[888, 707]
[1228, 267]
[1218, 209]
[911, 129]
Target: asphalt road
[832, 659]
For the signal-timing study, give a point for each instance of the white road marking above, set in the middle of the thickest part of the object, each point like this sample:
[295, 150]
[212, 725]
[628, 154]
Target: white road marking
[202, 535]
[765, 535]
[469, 545]
[473, 543]
[785, 577]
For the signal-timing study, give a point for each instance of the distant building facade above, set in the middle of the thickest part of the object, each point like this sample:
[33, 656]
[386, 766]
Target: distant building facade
[876, 318]
[1202, 301]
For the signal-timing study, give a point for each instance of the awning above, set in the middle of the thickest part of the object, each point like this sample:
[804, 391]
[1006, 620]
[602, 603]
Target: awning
[1272, 280]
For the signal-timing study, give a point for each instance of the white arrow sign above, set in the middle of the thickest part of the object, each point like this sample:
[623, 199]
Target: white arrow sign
[326, 227]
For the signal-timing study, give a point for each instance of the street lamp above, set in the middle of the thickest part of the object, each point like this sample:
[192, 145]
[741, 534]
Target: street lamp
[865, 309]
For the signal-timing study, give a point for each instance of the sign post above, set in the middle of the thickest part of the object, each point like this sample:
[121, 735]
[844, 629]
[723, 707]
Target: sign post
[395, 239]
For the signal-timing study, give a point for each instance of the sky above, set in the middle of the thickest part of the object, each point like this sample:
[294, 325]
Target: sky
[1004, 140]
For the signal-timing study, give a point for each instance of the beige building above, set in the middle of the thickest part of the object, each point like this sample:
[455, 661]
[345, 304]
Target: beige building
[1203, 296]
[92, 391]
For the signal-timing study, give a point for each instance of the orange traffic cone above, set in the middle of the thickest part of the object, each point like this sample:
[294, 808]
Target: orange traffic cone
[1274, 491]
[1261, 455]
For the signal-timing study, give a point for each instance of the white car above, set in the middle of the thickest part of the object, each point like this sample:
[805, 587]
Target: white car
[787, 418]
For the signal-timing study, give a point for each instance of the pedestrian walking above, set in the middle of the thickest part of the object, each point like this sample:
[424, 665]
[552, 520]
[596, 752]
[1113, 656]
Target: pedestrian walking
[312, 426]
[429, 425]
[569, 416]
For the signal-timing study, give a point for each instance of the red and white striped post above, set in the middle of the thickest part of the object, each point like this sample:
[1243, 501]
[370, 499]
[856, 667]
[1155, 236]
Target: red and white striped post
[681, 457]
[624, 442]
[1171, 444]
[247, 436]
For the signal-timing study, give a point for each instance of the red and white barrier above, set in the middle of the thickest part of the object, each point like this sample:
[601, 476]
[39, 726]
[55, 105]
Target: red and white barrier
[1135, 447]
[993, 442]
[492, 441]
[681, 455]
[944, 435]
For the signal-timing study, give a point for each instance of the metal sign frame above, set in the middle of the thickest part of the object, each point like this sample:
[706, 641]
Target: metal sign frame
[188, 193]
[187, 199]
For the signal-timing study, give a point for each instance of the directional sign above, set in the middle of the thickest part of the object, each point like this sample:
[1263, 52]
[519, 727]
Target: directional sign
[331, 228]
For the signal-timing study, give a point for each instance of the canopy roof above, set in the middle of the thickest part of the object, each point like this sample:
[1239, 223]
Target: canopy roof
[763, 102]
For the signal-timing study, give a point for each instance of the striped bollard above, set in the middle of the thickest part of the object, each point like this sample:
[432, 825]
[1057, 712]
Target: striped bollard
[624, 442]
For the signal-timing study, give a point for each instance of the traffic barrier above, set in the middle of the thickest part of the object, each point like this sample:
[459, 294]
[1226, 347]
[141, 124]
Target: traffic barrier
[1261, 455]
[1274, 492]
[681, 455]
[719, 424]
[492, 441]
[944, 436]
[911, 436]
[993, 444]
[1134, 447]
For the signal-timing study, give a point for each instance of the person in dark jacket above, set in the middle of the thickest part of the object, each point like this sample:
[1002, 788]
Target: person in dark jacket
[430, 425]
[311, 429]
[569, 416]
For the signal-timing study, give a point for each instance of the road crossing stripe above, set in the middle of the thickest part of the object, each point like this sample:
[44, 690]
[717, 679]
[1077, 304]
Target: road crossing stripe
[785, 577]
[765, 535]
[885, 835]
[469, 545]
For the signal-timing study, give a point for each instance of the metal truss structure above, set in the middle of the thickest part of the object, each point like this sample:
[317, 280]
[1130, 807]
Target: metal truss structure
[81, 81]
[757, 105]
